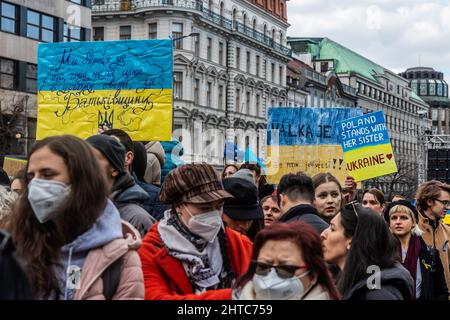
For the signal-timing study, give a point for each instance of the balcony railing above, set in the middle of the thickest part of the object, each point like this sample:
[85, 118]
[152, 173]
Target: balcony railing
[211, 16]
[133, 5]
[217, 19]
[260, 37]
[315, 76]
[349, 90]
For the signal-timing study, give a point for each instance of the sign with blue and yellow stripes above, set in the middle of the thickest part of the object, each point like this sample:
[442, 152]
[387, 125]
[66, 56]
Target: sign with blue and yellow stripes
[305, 139]
[87, 86]
[366, 145]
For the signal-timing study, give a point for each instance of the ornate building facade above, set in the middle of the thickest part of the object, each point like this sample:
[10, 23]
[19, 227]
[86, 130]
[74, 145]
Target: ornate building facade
[229, 65]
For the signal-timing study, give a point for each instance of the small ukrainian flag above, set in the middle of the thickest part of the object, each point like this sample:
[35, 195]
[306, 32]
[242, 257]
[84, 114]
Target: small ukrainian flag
[447, 218]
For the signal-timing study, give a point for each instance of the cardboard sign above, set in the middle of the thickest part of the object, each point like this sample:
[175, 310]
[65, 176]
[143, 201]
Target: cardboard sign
[305, 139]
[366, 145]
[13, 165]
[87, 86]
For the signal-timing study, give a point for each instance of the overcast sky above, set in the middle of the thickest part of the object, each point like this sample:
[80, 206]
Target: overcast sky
[392, 33]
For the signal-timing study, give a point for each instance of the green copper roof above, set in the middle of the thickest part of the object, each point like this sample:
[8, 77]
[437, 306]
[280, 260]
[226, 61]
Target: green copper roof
[414, 96]
[345, 59]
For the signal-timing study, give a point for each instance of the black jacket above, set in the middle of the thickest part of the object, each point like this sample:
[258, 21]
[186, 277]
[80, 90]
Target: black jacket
[307, 214]
[129, 198]
[434, 286]
[395, 284]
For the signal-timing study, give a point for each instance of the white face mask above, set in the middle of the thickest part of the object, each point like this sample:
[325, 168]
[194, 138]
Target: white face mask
[272, 287]
[45, 196]
[206, 225]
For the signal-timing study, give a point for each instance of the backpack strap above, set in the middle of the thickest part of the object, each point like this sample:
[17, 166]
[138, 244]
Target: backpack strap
[111, 278]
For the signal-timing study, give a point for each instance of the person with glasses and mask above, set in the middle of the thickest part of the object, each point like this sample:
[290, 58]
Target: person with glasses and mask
[432, 202]
[361, 245]
[189, 254]
[287, 264]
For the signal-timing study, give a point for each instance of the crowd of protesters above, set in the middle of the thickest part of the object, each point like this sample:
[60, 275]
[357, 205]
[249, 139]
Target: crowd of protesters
[110, 218]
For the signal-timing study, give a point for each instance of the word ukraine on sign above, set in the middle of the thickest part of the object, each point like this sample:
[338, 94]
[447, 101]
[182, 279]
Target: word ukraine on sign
[85, 86]
[305, 139]
[366, 145]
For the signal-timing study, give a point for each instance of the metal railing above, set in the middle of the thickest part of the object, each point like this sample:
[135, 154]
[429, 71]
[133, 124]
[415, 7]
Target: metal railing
[133, 5]
[209, 15]
[217, 19]
[260, 37]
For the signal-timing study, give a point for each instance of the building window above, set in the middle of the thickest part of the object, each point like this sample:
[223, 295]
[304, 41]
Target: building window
[423, 88]
[238, 58]
[258, 66]
[72, 33]
[221, 53]
[248, 62]
[8, 74]
[178, 85]
[208, 94]
[209, 49]
[273, 72]
[324, 66]
[258, 104]
[197, 46]
[8, 14]
[153, 30]
[247, 102]
[40, 26]
[125, 32]
[196, 88]
[31, 78]
[238, 100]
[99, 33]
[177, 33]
[281, 74]
[439, 89]
[220, 102]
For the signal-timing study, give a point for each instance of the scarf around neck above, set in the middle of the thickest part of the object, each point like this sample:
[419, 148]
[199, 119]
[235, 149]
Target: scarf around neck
[202, 260]
[412, 255]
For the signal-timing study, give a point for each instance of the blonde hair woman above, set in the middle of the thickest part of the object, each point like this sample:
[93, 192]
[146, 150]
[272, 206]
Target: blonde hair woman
[423, 264]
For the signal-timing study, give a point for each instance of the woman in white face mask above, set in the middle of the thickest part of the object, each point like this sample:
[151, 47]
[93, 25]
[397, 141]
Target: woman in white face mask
[189, 254]
[288, 264]
[68, 232]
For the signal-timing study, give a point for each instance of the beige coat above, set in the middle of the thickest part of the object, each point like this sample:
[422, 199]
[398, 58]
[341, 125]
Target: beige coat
[441, 234]
[156, 158]
[131, 284]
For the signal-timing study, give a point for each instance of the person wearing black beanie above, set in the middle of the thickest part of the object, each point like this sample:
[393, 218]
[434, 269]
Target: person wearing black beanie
[127, 196]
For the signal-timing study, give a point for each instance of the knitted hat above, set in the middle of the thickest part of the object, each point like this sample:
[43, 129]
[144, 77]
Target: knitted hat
[112, 149]
[245, 204]
[245, 174]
